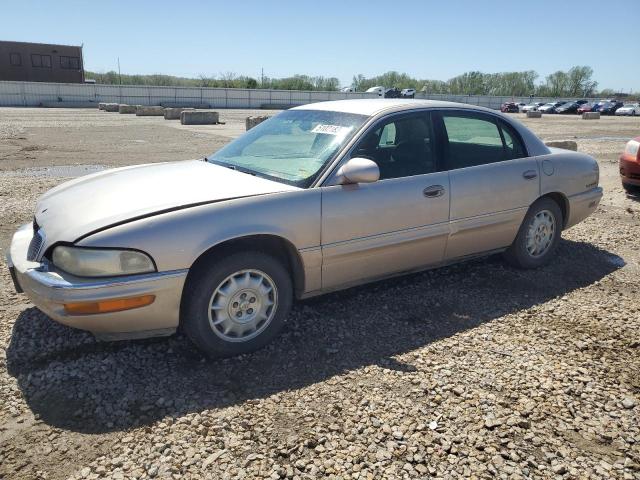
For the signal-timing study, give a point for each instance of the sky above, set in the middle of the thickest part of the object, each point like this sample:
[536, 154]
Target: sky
[426, 39]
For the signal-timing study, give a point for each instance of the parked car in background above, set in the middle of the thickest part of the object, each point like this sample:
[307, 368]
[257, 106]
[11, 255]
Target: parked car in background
[392, 93]
[408, 93]
[629, 109]
[509, 107]
[588, 107]
[379, 90]
[521, 105]
[550, 107]
[532, 106]
[569, 107]
[609, 108]
[582, 102]
[347, 89]
[284, 212]
[630, 166]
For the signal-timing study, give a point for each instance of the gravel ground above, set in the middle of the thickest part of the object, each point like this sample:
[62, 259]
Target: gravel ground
[471, 371]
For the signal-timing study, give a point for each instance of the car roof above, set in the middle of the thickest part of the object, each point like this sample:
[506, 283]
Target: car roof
[374, 106]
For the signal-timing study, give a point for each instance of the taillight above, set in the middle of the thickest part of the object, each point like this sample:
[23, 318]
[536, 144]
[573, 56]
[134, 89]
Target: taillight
[632, 150]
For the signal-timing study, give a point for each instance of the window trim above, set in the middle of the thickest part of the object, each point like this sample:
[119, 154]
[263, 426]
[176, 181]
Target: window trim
[11, 54]
[69, 58]
[328, 175]
[383, 121]
[41, 56]
[497, 120]
[513, 133]
[372, 126]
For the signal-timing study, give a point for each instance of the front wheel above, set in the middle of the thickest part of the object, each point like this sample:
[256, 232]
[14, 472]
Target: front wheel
[538, 237]
[236, 304]
[631, 189]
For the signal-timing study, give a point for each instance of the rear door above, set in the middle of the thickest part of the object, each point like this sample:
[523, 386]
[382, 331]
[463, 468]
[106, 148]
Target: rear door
[492, 180]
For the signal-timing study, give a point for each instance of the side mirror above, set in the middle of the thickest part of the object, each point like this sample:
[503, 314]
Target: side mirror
[358, 170]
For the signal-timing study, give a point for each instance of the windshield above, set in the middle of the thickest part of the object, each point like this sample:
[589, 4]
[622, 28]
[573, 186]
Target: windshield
[291, 147]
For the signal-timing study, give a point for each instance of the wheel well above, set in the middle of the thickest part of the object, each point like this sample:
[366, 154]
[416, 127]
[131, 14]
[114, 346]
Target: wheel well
[562, 202]
[277, 247]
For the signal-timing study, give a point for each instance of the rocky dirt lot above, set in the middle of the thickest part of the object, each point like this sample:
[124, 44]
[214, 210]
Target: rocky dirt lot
[471, 371]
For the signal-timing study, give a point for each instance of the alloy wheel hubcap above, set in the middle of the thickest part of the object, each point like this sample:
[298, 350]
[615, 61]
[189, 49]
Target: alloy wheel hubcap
[243, 305]
[541, 233]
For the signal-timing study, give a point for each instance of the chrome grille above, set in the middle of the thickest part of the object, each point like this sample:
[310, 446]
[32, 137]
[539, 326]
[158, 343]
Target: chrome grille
[34, 246]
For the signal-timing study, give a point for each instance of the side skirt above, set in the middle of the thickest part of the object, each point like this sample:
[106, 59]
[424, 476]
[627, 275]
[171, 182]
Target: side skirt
[446, 263]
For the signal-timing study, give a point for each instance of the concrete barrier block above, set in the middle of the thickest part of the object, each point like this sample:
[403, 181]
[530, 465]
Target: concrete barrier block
[591, 115]
[534, 114]
[127, 108]
[174, 112]
[111, 107]
[199, 117]
[251, 122]
[144, 111]
[101, 105]
[566, 144]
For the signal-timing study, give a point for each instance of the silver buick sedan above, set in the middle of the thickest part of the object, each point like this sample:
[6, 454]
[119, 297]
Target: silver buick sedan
[318, 198]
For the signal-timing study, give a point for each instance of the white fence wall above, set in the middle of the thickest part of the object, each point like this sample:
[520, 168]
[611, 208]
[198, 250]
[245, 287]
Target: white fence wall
[33, 94]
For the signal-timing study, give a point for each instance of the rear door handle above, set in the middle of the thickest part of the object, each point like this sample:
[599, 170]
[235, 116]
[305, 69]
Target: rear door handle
[433, 191]
[530, 174]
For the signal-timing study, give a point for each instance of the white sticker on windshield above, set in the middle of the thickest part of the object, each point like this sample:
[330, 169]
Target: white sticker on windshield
[331, 129]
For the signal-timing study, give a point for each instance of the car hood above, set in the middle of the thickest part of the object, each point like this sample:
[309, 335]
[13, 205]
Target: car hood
[86, 204]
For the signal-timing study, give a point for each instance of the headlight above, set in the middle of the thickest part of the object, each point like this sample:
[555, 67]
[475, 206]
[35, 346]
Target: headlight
[90, 262]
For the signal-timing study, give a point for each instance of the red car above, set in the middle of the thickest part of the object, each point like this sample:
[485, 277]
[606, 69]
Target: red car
[509, 107]
[587, 107]
[630, 166]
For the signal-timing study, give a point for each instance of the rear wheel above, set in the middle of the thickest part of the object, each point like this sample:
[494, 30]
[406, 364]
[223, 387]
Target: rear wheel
[236, 304]
[538, 237]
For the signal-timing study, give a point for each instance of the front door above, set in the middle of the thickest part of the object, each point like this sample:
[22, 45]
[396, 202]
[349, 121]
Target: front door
[493, 182]
[396, 224]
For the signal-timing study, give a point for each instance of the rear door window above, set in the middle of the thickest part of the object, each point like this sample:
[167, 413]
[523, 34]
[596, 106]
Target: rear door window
[472, 139]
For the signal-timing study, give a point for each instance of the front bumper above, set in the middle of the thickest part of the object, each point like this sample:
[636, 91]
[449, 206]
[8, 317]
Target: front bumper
[582, 205]
[49, 290]
[629, 172]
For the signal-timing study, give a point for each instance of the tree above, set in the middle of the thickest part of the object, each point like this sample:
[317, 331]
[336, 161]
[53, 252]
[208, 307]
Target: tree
[580, 82]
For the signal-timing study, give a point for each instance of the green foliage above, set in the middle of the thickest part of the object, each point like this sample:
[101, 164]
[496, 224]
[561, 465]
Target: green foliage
[576, 82]
[224, 80]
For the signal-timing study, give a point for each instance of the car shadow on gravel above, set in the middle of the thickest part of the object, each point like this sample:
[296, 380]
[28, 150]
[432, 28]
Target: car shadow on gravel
[73, 382]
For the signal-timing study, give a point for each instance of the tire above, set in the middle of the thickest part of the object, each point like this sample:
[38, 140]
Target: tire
[523, 252]
[631, 189]
[217, 313]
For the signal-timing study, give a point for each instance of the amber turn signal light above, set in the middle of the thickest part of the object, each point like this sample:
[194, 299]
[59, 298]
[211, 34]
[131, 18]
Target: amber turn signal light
[106, 306]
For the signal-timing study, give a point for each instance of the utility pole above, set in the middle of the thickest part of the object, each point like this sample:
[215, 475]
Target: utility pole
[262, 77]
[119, 74]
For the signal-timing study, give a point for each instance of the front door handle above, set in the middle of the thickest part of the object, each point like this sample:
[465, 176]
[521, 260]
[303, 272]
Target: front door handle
[530, 174]
[433, 191]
